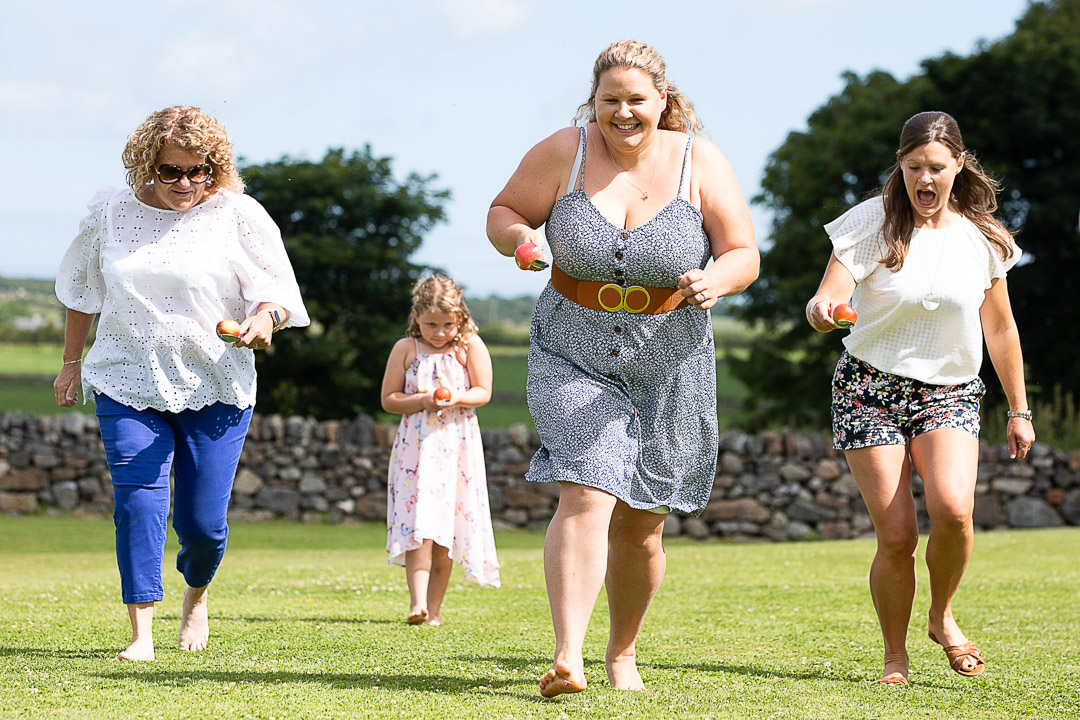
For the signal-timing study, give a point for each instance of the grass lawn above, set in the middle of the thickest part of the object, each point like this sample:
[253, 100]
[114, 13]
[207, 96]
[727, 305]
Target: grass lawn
[307, 621]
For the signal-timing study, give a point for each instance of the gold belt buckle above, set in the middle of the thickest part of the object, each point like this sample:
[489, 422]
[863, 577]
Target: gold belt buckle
[624, 302]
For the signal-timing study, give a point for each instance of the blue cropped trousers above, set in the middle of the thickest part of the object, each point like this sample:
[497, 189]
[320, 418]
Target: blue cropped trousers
[202, 447]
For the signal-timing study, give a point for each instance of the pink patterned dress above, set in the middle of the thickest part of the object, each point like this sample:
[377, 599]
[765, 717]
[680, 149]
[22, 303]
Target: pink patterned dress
[437, 484]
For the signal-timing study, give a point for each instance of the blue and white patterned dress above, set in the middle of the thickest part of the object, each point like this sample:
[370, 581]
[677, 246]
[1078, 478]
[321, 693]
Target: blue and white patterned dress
[622, 402]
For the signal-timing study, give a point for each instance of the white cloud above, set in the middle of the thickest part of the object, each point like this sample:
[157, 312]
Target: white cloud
[478, 18]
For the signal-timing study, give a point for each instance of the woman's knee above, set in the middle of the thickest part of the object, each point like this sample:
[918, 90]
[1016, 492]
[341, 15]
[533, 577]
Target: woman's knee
[950, 517]
[201, 532]
[897, 541]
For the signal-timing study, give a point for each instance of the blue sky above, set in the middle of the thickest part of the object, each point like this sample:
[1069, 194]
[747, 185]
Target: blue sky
[457, 88]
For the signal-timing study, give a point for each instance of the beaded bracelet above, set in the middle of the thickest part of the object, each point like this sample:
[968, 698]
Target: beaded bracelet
[1026, 414]
[73, 362]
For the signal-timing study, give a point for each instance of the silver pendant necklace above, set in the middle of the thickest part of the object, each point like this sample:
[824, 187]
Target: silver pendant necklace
[931, 301]
[622, 173]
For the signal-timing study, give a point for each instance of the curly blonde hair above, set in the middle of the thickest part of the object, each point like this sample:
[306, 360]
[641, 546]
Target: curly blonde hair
[679, 114]
[189, 129]
[437, 293]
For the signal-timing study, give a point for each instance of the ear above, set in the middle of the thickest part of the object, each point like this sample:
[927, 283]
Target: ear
[960, 162]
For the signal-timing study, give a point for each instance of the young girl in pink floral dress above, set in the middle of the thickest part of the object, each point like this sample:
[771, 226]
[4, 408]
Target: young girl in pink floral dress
[437, 504]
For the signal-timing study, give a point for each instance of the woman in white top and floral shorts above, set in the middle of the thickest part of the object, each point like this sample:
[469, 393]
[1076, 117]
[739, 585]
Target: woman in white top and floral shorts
[161, 263]
[924, 264]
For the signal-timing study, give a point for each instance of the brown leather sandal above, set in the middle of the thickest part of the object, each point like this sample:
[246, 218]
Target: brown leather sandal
[965, 659]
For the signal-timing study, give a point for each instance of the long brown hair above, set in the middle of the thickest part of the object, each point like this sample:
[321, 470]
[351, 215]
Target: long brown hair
[679, 113]
[974, 193]
[441, 294]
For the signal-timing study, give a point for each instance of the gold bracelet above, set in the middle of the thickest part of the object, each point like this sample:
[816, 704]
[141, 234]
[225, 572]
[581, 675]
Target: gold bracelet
[73, 362]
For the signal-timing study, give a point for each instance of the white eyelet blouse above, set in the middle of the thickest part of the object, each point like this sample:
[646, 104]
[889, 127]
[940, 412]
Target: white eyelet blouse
[895, 332]
[161, 280]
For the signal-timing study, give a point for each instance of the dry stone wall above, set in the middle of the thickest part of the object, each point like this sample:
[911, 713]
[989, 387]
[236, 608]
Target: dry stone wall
[770, 486]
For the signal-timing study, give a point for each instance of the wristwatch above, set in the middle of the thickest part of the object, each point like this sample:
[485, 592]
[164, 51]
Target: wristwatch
[276, 317]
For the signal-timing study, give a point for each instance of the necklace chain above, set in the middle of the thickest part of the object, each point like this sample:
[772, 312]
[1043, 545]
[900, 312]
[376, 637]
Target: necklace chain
[930, 301]
[622, 173]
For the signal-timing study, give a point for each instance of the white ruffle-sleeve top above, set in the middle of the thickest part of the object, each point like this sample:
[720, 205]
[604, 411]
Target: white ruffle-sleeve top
[950, 267]
[161, 280]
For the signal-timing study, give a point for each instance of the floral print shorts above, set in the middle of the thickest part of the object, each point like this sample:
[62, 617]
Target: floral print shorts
[871, 407]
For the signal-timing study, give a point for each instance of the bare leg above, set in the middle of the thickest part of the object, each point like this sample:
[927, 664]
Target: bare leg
[194, 620]
[947, 460]
[441, 566]
[575, 558]
[417, 574]
[141, 616]
[635, 569]
[883, 474]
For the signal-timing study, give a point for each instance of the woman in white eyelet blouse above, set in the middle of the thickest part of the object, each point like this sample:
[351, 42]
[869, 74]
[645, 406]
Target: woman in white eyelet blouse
[160, 263]
[925, 266]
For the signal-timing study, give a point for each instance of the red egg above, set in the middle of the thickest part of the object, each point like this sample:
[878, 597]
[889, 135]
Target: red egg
[229, 331]
[442, 395]
[530, 256]
[844, 315]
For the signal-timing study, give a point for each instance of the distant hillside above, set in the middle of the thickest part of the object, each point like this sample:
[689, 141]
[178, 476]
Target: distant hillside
[29, 311]
[494, 310]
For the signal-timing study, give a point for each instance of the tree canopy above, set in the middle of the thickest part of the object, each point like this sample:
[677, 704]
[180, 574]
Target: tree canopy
[349, 228]
[1017, 102]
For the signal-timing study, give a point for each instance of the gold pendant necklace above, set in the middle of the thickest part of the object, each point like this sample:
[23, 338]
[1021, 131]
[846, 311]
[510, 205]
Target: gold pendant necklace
[622, 173]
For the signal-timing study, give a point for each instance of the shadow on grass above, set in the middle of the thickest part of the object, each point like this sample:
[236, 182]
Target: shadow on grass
[284, 619]
[84, 654]
[441, 684]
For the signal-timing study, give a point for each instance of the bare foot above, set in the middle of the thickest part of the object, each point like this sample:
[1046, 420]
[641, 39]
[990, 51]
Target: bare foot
[433, 620]
[896, 670]
[562, 679]
[139, 649]
[417, 616]
[194, 620]
[623, 674]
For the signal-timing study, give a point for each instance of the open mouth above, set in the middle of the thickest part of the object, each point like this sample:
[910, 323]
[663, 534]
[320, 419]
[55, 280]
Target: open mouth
[925, 197]
[626, 127]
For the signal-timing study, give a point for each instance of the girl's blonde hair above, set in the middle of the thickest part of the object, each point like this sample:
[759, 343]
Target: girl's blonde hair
[974, 193]
[679, 114]
[438, 293]
[189, 129]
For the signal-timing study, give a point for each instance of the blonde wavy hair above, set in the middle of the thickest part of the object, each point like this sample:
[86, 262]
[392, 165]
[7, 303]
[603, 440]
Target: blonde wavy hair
[679, 114]
[438, 293]
[189, 129]
[974, 193]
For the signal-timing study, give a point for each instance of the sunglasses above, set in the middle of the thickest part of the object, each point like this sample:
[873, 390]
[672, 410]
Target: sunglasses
[170, 174]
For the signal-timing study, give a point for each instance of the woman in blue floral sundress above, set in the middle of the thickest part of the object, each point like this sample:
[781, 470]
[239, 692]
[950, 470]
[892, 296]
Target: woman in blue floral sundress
[622, 368]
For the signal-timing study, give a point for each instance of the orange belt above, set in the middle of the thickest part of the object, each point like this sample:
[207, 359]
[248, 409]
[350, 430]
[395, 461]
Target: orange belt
[612, 298]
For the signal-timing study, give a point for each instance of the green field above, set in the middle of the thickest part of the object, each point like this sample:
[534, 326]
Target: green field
[27, 372]
[308, 622]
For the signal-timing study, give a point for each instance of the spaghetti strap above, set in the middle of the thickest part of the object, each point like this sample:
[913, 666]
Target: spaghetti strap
[579, 163]
[684, 181]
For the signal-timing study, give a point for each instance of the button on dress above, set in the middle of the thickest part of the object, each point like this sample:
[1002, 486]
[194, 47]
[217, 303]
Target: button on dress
[625, 402]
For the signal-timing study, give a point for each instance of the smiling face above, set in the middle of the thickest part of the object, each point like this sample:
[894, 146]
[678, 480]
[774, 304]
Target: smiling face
[929, 173]
[183, 194]
[628, 107]
[438, 328]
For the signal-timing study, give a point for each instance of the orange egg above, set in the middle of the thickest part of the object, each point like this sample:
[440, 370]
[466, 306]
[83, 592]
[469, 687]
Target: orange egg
[229, 331]
[844, 315]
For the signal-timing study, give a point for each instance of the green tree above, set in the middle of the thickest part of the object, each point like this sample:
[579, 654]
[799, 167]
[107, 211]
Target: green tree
[813, 177]
[1017, 101]
[350, 229]
[1018, 104]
